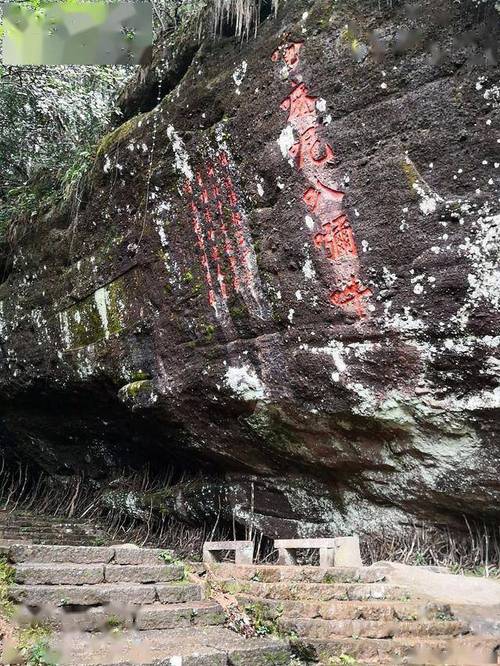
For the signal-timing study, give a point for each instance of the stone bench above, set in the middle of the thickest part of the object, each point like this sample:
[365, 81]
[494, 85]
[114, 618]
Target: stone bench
[339, 551]
[243, 551]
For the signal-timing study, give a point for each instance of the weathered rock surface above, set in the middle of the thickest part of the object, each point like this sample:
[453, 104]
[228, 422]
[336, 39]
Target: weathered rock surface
[296, 292]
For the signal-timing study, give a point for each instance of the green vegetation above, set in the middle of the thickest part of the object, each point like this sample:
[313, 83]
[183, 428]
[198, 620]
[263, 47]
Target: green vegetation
[6, 580]
[445, 615]
[33, 646]
[115, 624]
[169, 558]
[264, 621]
[52, 118]
[342, 660]
[481, 571]
[209, 332]
[140, 375]
[50, 121]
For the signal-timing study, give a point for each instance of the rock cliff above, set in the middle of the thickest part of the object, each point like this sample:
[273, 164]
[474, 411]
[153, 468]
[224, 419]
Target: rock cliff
[284, 274]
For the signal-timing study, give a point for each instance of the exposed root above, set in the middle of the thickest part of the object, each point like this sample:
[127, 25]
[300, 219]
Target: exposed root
[475, 549]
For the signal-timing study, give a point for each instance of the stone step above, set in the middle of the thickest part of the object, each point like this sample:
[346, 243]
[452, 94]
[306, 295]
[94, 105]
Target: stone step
[408, 650]
[130, 554]
[70, 539]
[144, 618]
[93, 595]
[143, 573]
[59, 574]
[326, 629]
[158, 616]
[51, 554]
[53, 528]
[349, 610]
[274, 574]
[38, 522]
[126, 554]
[316, 591]
[204, 646]
[93, 574]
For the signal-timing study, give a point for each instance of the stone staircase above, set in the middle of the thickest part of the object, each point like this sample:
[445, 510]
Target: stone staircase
[124, 604]
[341, 614]
[22, 526]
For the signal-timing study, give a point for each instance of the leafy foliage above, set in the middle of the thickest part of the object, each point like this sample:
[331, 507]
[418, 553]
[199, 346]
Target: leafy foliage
[6, 580]
[52, 116]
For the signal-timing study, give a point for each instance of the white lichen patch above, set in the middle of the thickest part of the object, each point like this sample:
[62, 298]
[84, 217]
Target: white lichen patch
[239, 74]
[404, 322]
[65, 330]
[388, 277]
[308, 270]
[182, 164]
[286, 141]
[482, 250]
[244, 382]
[428, 198]
[321, 105]
[101, 298]
[428, 201]
[3, 323]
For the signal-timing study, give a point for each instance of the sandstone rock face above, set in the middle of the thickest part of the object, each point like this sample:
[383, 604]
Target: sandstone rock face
[285, 274]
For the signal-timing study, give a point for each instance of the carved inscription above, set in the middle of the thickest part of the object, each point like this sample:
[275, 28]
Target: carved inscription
[223, 241]
[333, 235]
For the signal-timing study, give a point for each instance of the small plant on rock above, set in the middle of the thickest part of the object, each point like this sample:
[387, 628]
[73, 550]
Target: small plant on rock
[114, 623]
[34, 647]
[343, 660]
[263, 624]
[169, 558]
[445, 615]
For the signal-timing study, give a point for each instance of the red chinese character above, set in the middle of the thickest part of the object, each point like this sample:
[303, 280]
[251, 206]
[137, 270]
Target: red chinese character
[222, 284]
[337, 239]
[223, 159]
[187, 187]
[314, 194]
[276, 55]
[231, 194]
[308, 146]
[353, 295]
[207, 215]
[199, 179]
[210, 171]
[236, 218]
[291, 54]
[299, 103]
[204, 196]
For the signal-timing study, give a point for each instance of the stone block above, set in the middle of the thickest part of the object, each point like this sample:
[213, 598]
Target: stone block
[347, 553]
[143, 573]
[180, 593]
[61, 554]
[59, 574]
[130, 554]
